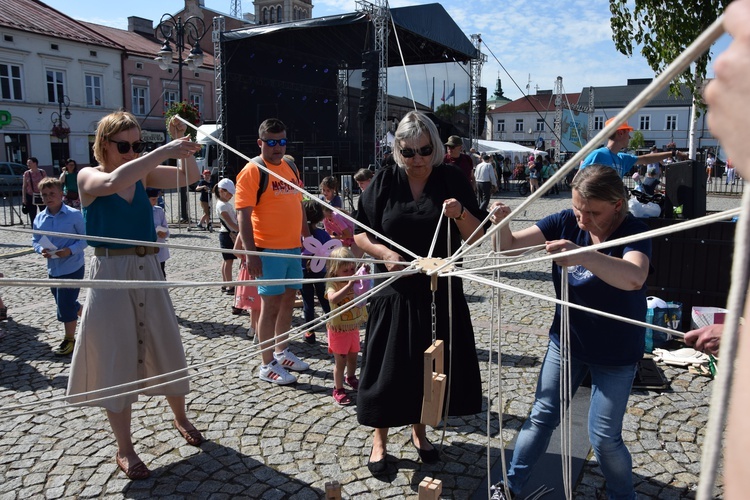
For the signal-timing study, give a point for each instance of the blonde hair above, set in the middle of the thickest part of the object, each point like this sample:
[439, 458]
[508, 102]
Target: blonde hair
[50, 182]
[112, 124]
[411, 127]
[333, 266]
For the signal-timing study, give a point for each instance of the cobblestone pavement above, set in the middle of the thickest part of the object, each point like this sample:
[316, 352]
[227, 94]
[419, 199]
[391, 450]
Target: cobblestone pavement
[266, 441]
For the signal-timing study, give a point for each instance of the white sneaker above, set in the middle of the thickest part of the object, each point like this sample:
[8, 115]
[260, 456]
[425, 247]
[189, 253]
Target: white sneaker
[273, 372]
[251, 332]
[289, 361]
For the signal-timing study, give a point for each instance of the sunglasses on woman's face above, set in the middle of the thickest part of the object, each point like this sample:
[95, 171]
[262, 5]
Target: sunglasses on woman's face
[411, 153]
[123, 147]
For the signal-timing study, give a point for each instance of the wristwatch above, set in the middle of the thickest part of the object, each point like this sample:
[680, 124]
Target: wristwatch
[463, 213]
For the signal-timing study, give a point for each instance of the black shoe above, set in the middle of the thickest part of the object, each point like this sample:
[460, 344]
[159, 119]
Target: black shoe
[230, 290]
[310, 337]
[379, 467]
[427, 456]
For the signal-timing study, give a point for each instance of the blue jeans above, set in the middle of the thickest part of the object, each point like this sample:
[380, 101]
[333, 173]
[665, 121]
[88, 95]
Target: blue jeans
[610, 389]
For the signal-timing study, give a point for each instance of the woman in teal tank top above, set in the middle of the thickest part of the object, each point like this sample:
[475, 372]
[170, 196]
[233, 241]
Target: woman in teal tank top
[128, 335]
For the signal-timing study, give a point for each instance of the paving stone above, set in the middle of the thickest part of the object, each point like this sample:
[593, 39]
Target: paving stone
[267, 441]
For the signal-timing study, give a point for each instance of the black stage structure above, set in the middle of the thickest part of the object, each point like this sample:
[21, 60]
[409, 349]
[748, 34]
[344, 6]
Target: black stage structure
[290, 71]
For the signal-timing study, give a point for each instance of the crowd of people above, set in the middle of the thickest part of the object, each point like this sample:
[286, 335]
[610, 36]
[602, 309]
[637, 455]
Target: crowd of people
[121, 341]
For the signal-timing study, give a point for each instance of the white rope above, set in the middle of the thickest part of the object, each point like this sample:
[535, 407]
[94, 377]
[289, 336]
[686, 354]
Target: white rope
[680, 226]
[303, 191]
[403, 62]
[437, 233]
[177, 246]
[143, 384]
[565, 387]
[683, 61]
[133, 284]
[486, 281]
[720, 396]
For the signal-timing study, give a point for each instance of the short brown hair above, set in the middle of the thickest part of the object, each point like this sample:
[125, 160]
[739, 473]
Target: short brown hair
[272, 125]
[50, 182]
[363, 174]
[112, 124]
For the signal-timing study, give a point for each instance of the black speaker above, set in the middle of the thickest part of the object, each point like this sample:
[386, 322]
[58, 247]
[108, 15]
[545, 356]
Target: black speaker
[368, 101]
[482, 108]
[686, 186]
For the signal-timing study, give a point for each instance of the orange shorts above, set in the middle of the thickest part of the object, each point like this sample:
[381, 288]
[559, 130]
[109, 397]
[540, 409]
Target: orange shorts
[343, 342]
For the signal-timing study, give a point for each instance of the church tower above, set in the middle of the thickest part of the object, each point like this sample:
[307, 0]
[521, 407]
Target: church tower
[282, 11]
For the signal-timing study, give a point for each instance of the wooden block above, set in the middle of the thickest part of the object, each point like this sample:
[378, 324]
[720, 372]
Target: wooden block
[433, 362]
[333, 490]
[432, 410]
[430, 489]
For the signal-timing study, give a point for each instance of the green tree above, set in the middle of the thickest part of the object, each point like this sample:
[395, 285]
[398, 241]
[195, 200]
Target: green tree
[446, 112]
[636, 140]
[663, 29]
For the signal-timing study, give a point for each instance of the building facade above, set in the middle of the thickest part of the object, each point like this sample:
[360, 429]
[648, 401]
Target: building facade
[53, 89]
[664, 120]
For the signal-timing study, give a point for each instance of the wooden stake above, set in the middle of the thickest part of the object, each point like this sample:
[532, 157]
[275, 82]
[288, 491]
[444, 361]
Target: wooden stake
[430, 489]
[434, 384]
[333, 490]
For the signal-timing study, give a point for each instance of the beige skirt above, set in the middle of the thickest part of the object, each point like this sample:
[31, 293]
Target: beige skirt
[127, 335]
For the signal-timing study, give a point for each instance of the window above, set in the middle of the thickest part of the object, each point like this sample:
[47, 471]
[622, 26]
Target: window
[10, 82]
[671, 122]
[92, 53]
[645, 122]
[55, 85]
[279, 16]
[8, 38]
[265, 16]
[54, 46]
[598, 122]
[197, 101]
[519, 124]
[93, 85]
[540, 124]
[140, 100]
[170, 97]
[139, 65]
[501, 125]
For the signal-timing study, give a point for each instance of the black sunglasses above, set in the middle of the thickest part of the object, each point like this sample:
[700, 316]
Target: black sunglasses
[423, 151]
[124, 146]
[273, 142]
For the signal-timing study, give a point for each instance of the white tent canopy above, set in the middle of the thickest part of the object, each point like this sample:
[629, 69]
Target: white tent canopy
[508, 149]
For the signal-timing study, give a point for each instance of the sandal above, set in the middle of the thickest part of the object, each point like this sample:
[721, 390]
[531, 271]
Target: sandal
[135, 472]
[352, 382]
[192, 437]
[3, 313]
[341, 397]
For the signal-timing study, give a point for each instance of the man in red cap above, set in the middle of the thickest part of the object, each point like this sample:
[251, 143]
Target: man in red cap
[622, 162]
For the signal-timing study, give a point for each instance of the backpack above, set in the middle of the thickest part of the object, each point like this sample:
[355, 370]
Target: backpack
[263, 182]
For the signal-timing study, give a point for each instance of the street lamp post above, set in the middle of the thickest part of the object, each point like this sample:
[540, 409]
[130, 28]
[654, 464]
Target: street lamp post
[178, 32]
[59, 129]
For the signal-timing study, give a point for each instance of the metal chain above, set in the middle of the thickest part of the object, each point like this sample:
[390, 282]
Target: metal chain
[433, 310]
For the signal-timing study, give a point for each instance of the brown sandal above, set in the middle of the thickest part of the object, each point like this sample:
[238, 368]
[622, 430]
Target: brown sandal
[192, 437]
[135, 472]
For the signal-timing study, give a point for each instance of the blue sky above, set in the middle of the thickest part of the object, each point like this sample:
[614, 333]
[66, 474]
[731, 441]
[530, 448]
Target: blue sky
[533, 40]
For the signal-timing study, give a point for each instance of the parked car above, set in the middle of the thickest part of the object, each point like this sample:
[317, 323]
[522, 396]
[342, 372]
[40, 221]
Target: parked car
[11, 177]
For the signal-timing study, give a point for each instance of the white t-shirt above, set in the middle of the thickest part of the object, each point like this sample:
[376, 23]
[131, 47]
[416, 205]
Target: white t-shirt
[228, 207]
